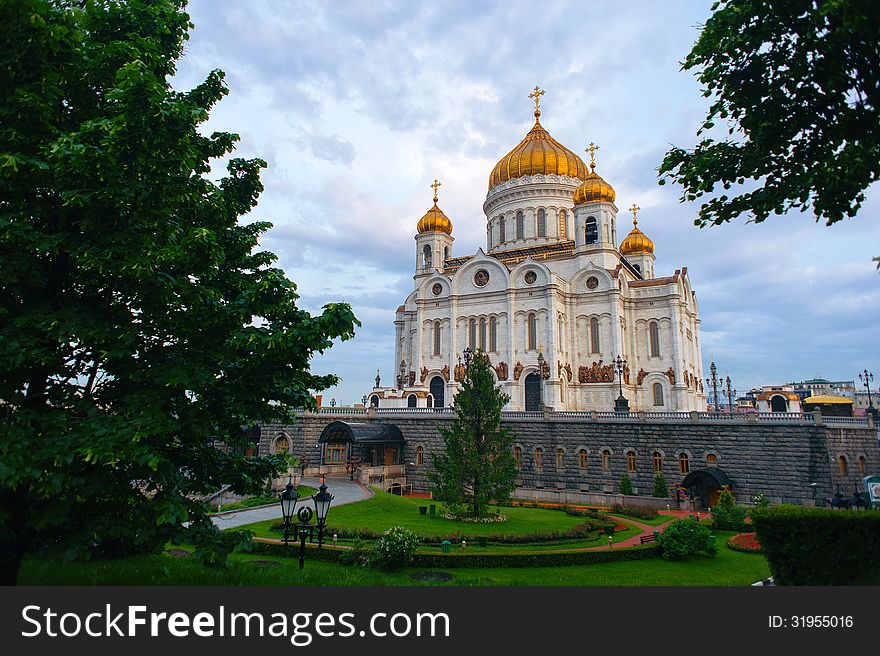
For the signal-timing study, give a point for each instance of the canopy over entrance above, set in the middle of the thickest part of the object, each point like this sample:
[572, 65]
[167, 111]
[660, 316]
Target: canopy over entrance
[346, 442]
[361, 433]
[705, 484]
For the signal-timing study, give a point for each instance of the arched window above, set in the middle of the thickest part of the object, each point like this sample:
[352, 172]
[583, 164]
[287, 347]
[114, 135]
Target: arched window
[658, 394]
[637, 267]
[493, 335]
[429, 260]
[281, 445]
[532, 331]
[374, 401]
[517, 455]
[658, 462]
[606, 459]
[520, 225]
[560, 459]
[483, 334]
[654, 339]
[631, 461]
[411, 401]
[472, 335]
[862, 465]
[563, 225]
[438, 391]
[542, 223]
[420, 456]
[430, 401]
[539, 457]
[683, 463]
[582, 459]
[591, 231]
[445, 254]
[841, 465]
[501, 230]
[436, 338]
[778, 404]
[594, 335]
[711, 457]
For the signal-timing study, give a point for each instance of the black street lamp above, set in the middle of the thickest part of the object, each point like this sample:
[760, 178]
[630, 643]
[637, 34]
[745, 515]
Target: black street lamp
[543, 371]
[378, 380]
[304, 528]
[713, 383]
[867, 377]
[621, 404]
[322, 500]
[364, 399]
[288, 504]
[731, 394]
[333, 403]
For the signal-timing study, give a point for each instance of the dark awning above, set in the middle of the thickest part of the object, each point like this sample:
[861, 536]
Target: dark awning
[361, 433]
[712, 473]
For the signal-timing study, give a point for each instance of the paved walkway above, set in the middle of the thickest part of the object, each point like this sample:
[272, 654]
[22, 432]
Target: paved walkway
[343, 491]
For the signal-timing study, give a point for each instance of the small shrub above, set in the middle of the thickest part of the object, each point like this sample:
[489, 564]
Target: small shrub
[626, 485]
[661, 487]
[727, 515]
[636, 512]
[761, 500]
[395, 549]
[685, 537]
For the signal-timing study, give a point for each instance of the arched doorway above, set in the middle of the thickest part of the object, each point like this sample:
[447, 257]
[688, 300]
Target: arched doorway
[533, 393]
[374, 401]
[778, 404]
[411, 401]
[438, 387]
[705, 484]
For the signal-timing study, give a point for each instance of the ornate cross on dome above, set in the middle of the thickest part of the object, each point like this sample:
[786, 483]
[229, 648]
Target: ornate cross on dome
[436, 185]
[634, 209]
[536, 96]
[592, 151]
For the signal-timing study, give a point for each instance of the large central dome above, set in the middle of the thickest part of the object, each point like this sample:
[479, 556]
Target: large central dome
[537, 153]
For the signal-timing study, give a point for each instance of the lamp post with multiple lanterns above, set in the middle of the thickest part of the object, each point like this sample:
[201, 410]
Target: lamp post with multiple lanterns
[713, 383]
[304, 528]
[731, 394]
[867, 378]
[621, 404]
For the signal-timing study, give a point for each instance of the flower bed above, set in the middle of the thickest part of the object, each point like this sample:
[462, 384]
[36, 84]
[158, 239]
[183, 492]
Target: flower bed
[488, 519]
[745, 542]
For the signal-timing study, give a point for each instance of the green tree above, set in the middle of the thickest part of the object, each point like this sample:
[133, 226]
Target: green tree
[686, 537]
[727, 515]
[661, 487]
[798, 84]
[139, 325]
[626, 485]
[477, 463]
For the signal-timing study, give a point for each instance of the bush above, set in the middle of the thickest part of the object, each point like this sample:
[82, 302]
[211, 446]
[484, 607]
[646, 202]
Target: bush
[661, 487]
[626, 485]
[727, 515]
[636, 512]
[685, 537]
[761, 500]
[815, 546]
[395, 549]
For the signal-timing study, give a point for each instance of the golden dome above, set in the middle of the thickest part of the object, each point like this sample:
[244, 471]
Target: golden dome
[636, 241]
[537, 153]
[594, 189]
[435, 220]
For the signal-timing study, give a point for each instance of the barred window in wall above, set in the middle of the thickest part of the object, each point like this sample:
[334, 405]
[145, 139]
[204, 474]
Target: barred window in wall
[472, 335]
[606, 459]
[582, 459]
[563, 225]
[560, 459]
[594, 335]
[683, 463]
[501, 230]
[436, 338]
[482, 334]
[520, 225]
[420, 456]
[542, 223]
[539, 457]
[654, 338]
[862, 464]
[281, 445]
[841, 465]
[630, 461]
[493, 335]
[658, 462]
[532, 330]
[517, 455]
[591, 231]
[658, 394]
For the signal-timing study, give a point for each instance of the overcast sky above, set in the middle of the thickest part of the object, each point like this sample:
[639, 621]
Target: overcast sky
[358, 106]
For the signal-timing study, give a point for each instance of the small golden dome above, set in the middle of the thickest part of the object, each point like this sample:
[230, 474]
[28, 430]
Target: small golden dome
[537, 153]
[594, 189]
[636, 241]
[435, 220]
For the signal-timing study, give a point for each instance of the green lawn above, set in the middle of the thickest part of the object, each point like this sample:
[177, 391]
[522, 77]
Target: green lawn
[384, 510]
[727, 568]
[657, 521]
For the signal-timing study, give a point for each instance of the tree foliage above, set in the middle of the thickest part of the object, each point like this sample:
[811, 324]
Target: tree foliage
[477, 463]
[798, 84]
[625, 486]
[139, 324]
[661, 487]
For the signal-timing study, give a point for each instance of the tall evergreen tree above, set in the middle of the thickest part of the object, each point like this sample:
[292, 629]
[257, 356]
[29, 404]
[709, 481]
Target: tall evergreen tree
[477, 463]
[139, 325]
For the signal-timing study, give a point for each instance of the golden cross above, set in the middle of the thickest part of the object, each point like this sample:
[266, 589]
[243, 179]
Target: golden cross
[436, 185]
[592, 150]
[634, 209]
[536, 96]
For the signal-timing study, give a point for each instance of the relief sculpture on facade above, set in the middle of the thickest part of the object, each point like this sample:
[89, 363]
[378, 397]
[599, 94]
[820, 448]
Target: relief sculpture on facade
[501, 370]
[640, 377]
[517, 370]
[597, 373]
[445, 373]
[670, 374]
[424, 375]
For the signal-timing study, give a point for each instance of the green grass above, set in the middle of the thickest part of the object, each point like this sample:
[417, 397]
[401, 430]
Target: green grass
[727, 568]
[302, 491]
[657, 521]
[384, 510]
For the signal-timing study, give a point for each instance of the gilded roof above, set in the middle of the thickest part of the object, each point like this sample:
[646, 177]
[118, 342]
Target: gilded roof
[636, 242]
[434, 220]
[594, 189]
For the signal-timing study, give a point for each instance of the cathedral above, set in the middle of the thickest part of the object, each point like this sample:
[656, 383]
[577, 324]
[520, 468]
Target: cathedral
[569, 319]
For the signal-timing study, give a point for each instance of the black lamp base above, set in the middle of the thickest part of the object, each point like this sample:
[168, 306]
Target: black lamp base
[621, 404]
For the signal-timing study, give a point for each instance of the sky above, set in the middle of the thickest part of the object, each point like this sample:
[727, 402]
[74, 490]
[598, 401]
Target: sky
[358, 106]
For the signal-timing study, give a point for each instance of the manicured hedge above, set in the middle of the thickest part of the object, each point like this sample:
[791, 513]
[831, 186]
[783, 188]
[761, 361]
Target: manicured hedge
[636, 512]
[813, 546]
[465, 559]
